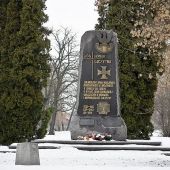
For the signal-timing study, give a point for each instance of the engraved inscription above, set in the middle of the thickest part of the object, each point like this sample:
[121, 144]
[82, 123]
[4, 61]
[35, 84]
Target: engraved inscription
[88, 109]
[98, 90]
[94, 56]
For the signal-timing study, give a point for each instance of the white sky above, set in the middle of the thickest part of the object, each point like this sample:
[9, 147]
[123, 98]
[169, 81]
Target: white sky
[78, 15]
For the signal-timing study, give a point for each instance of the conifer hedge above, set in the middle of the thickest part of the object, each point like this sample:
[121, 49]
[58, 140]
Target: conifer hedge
[138, 67]
[24, 54]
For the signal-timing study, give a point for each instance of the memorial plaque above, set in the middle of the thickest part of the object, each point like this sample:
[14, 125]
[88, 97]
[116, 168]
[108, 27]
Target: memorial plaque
[98, 94]
[98, 77]
[86, 122]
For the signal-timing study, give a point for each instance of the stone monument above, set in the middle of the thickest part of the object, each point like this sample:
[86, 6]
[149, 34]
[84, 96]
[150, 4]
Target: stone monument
[27, 154]
[98, 106]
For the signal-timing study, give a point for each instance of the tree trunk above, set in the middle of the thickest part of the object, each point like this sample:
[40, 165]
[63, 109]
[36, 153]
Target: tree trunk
[71, 115]
[52, 124]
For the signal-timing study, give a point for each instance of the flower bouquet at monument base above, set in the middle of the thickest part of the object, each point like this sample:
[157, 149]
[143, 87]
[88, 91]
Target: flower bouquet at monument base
[96, 137]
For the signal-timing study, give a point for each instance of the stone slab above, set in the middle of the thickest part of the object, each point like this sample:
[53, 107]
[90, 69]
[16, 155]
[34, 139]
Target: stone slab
[166, 154]
[7, 151]
[81, 142]
[136, 148]
[39, 147]
[27, 154]
[97, 147]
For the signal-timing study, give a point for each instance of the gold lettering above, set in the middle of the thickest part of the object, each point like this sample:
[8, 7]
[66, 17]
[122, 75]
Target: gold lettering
[94, 56]
[102, 61]
[97, 90]
[88, 109]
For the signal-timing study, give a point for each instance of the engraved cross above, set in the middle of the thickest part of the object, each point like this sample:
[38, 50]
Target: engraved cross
[104, 72]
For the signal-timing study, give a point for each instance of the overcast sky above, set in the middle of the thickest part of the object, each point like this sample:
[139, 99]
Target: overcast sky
[78, 15]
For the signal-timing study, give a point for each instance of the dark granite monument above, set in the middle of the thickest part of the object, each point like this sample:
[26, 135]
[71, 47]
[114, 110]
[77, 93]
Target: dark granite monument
[98, 106]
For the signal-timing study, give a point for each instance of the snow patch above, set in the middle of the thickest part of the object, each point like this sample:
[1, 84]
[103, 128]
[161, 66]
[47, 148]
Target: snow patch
[59, 135]
[70, 158]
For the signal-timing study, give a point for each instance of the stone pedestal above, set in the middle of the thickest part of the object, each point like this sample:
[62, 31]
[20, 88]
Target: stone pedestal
[92, 125]
[27, 154]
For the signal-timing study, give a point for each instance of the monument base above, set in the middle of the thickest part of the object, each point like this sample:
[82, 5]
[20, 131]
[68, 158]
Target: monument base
[83, 125]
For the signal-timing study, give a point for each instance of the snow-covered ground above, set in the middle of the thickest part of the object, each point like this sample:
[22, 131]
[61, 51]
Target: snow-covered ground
[68, 157]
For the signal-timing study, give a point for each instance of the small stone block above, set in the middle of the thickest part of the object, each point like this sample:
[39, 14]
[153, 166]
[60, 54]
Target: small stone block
[27, 154]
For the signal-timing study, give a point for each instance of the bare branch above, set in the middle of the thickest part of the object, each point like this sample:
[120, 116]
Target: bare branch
[62, 85]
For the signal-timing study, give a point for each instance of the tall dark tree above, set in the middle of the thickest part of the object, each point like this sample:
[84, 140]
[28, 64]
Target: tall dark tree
[138, 65]
[24, 69]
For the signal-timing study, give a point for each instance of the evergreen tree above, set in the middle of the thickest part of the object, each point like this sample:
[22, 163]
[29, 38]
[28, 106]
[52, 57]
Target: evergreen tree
[138, 66]
[24, 70]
